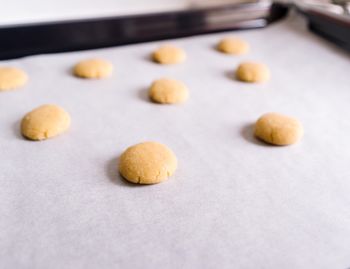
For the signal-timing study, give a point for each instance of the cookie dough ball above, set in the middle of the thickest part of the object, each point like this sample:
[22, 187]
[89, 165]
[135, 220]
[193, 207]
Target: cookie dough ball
[44, 122]
[93, 68]
[233, 45]
[253, 72]
[147, 163]
[168, 91]
[278, 129]
[12, 78]
[169, 54]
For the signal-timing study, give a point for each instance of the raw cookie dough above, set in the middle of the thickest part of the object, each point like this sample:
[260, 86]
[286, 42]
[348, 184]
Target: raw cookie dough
[168, 91]
[278, 129]
[11, 78]
[253, 72]
[44, 122]
[147, 163]
[93, 68]
[168, 54]
[233, 45]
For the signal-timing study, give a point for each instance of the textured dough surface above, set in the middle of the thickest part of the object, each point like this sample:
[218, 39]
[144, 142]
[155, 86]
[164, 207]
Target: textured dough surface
[253, 72]
[233, 45]
[168, 54]
[278, 129]
[44, 122]
[147, 163]
[168, 91]
[12, 78]
[93, 68]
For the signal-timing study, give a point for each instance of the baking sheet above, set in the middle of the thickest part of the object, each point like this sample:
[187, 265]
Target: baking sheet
[233, 202]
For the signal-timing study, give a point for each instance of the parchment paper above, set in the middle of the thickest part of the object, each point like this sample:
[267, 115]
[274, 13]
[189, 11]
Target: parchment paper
[233, 202]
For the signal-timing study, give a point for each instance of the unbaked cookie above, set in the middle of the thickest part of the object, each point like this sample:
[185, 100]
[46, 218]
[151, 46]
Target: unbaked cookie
[147, 163]
[168, 91]
[253, 72]
[233, 45]
[44, 122]
[12, 78]
[93, 68]
[168, 54]
[278, 129]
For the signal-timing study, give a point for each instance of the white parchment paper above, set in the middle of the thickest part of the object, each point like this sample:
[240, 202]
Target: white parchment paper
[233, 202]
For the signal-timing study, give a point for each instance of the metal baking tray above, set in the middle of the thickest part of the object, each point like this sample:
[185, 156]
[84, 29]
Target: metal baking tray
[329, 20]
[59, 36]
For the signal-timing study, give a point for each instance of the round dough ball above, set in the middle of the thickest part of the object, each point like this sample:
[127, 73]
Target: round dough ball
[12, 78]
[253, 72]
[93, 68]
[233, 45]
[147, 163]
[278, 129]
[168, 91]
[44, 122]
[169, 54]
